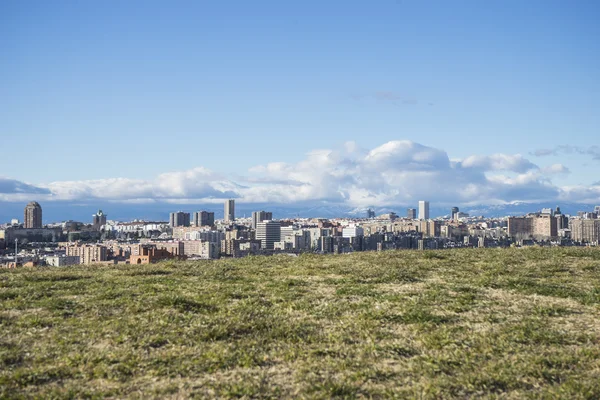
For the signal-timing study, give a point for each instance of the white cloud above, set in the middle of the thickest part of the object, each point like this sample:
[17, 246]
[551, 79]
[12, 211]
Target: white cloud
[499, 162]
[582, 194]
[394, 173]
[555, 169]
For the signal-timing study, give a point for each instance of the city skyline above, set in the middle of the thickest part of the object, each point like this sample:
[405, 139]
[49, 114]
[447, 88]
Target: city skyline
[55, 212]
[192, 216]
[143, 242]
[461, 103]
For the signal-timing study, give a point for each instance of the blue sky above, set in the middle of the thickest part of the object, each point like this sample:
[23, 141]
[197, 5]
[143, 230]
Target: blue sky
[132, 90]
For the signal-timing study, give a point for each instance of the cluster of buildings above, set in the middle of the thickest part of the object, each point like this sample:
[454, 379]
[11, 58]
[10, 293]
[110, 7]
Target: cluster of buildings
[199, 235]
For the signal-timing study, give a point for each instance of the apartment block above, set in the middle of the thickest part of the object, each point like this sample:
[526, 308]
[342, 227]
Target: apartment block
[430, 228]
[203, 218]
[32, 215]
[539, 226]
[544, 226]
[585, 230]
[520, 226]
[179, 218]
[88, 254]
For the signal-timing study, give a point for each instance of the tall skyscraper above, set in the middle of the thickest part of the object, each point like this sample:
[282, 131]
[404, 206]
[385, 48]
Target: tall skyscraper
[98, 220]
[423, 209]
[370, 213]
[33, 215]
[204, 218]
[453, 213]
[268, 232]
[260, 216]
[229, 210]
[179, 218]
[411, 213]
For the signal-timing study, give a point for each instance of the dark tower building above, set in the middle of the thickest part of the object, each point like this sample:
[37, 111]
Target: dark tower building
[33, 215]
[98, 220]
[179, 218]
[203, 218]
[229, 210]
[453, 212]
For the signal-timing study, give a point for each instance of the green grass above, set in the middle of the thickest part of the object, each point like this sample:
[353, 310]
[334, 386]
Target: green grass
[507, 323]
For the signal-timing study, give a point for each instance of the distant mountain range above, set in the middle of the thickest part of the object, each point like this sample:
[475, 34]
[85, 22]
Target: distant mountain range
[62, 211]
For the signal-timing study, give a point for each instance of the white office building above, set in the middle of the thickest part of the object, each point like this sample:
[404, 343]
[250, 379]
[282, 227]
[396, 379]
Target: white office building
[423, 209]
[352, 231]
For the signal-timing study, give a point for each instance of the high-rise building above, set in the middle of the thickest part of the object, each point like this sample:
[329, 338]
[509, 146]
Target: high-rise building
[179, 218]
[33, 215]
[539, 226]
[98, 220]
[229, 210]
[545, 226]
[411, 213]
[585, 230]
[204, 218]
[370, 213]
[259, 216]
[423, 209]
[562, 221]
[268, 232]
[520, 226]
[453, 213]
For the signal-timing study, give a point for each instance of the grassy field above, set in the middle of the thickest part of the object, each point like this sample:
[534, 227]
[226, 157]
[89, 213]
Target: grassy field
[511, 323]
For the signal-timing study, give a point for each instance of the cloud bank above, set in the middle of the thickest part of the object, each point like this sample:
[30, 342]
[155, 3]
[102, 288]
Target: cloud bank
[591, 151]
[395, 173]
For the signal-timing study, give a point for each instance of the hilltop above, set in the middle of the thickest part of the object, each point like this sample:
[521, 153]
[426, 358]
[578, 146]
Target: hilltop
[461, 323]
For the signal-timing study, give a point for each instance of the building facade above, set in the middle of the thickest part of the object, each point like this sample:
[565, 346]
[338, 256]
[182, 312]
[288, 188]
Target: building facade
[585, 230]
[229, 210]
[32, 216]
[520, 226]
[204, 218]
[88, 254]
[260, 216]
[542, 226]
[179, 218]
[453, 213]
[423, 209]
[268, 232]
[98, 220]
[352, 231]
[62, 261]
